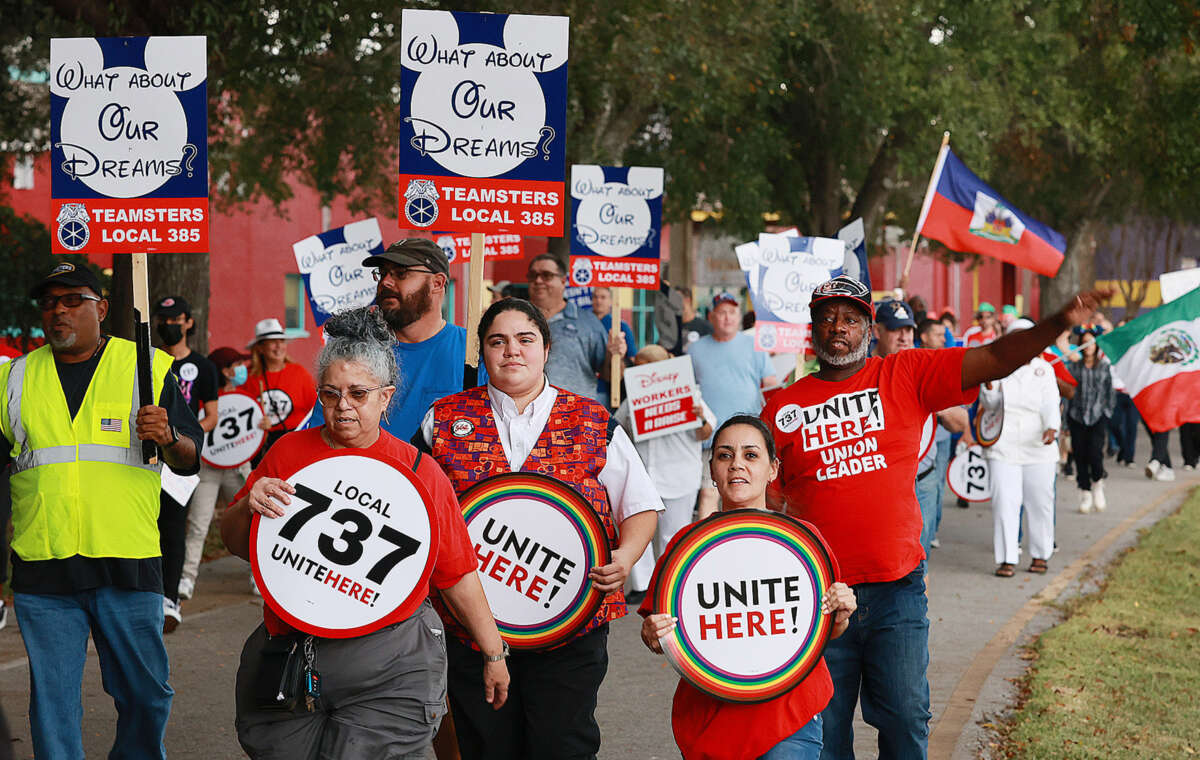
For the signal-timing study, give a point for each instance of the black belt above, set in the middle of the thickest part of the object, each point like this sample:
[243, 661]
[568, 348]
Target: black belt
[925, 474]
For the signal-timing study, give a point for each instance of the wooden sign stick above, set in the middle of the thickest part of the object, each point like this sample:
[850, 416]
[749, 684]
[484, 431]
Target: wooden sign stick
[141, 330]
[617, 360]
[928, 197]
[474, 298]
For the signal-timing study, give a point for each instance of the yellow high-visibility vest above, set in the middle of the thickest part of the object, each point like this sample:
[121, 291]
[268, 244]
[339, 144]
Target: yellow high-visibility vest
[79, 486]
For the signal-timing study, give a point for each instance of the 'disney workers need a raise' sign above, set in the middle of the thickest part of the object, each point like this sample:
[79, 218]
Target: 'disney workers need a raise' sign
[483, 99]
[662, 398]
[128, 145]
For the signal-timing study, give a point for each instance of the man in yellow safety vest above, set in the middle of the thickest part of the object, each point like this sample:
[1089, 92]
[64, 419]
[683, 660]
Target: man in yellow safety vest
[85, 508]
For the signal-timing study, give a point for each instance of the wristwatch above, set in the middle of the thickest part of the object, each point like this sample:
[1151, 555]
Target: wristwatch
[497, 657]
[174, 437]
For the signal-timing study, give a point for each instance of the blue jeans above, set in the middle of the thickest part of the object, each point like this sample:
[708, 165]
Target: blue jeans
[930, 490]
[127, 628]
[1124, 427]
[885, 653]
[805, 744]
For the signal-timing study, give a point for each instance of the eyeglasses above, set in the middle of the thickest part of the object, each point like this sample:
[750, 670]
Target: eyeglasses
[356, 396]
[70, 300]
[543, 274]
[397, 273]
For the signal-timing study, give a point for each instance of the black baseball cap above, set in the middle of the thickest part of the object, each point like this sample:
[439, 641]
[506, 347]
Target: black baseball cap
[172, 306]
[413, 252]
[68, 275]
[895, 314]
[844, 286]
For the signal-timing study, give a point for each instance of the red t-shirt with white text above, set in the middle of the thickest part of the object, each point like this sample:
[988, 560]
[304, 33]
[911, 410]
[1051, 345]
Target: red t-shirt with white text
[286, 396]
[455, 552]
[848, 453]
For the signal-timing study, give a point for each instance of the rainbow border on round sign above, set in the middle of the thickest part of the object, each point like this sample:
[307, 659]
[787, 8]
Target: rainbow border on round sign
[571, 504]
[667, 589]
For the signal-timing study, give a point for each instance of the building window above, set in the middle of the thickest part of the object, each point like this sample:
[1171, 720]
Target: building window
[295, 303]
[643, 325]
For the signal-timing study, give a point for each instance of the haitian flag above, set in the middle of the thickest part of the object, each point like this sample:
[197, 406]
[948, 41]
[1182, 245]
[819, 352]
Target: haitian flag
[1158, 357]
[970, 217]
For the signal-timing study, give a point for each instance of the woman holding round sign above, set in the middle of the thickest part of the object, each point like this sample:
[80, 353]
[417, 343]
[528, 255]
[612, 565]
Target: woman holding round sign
[282, 387]
[748, 631]
[347, 528]
[559, 508]
[1023, 459]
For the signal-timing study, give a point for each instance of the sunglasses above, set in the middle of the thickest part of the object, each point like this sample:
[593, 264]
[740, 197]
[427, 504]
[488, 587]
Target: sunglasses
[356, 396]
[70, 300]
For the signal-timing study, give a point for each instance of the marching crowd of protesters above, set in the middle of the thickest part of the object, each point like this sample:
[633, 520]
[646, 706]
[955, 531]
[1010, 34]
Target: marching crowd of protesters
[394, 374]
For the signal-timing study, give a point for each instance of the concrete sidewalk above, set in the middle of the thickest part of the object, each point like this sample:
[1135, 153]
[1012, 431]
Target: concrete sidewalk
[977, 621]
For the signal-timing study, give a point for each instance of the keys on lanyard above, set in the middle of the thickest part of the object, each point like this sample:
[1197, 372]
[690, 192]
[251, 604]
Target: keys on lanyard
[312, 679]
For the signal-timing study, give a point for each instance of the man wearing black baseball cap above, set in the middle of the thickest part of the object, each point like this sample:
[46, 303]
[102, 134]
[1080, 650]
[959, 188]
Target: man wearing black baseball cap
[848, 438]
[198, 381]
[412, 276]
[86, 547]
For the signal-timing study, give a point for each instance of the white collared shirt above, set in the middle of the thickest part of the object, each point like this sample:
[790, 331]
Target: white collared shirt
[624, 477]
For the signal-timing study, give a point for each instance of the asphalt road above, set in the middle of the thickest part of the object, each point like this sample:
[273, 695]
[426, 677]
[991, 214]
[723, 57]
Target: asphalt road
[976, 619]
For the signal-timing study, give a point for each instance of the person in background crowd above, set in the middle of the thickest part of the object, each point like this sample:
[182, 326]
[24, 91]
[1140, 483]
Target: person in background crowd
[730, 373]
[950, 322]
[1008, 315]
[694, 326]
[216, 485]
[1159, 466]
[501, 289]
[675, 463]
[86, 560]
[668, 320]
[602, 307]
[1189, 442]
[582, 346]
[381, 693]
[1088, 413]
[986, 330]
[521, 422]
[1125, 420]
[787, 727]
[197, 378]
[1023, 460]
[283, 388]
[865, 504]
[919, 309]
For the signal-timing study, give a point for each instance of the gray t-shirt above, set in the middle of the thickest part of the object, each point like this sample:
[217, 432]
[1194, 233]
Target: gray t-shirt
[578, 347]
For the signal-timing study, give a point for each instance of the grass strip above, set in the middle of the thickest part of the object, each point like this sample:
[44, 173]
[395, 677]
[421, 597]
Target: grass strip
[1119, 678]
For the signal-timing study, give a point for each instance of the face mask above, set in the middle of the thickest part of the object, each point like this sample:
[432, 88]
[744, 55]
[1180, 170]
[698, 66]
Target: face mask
[170, 334]
[240, 374]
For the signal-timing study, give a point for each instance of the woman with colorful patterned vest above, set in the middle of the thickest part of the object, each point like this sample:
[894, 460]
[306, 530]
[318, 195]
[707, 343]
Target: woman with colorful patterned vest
[519, 422]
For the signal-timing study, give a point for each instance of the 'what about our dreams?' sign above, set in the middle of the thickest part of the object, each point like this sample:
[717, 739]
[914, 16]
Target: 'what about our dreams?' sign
[483, 100]
[616, 226]
[129, 145]
[331, 265]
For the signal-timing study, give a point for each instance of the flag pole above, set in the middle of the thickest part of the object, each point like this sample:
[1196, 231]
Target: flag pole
[937, 166]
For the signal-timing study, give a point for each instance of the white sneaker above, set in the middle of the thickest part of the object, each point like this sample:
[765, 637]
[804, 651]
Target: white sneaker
[1098, 500]
[1165, 473]
[935, 544]
[186, 588]
[1085, 502]
[1152, 468]
[3, 615]
[172, 616]
[1190, 467]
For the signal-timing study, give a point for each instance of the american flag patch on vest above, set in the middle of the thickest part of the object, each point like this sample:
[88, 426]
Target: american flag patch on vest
[111, 424]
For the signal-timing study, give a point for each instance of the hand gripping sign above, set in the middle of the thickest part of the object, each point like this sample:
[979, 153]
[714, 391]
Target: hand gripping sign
[536, 538]
[353, 551]
[616, 226]
[746, 589]
[129, 145]
[237, 437]
[483, 100]
[969, 475]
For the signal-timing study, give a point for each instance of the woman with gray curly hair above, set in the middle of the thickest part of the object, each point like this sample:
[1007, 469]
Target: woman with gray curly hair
[380, 694]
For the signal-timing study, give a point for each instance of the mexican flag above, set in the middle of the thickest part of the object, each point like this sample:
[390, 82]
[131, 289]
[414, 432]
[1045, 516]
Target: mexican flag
[1158, 357]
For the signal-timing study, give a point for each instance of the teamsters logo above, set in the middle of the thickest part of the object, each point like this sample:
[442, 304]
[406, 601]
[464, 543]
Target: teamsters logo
[582, 273]
[994, 221]
[73, 232]
[421, 208]
[1172, 345]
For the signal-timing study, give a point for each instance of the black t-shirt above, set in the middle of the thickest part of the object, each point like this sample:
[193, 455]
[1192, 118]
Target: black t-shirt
[198, 380]
[79, 573]
[697, 325]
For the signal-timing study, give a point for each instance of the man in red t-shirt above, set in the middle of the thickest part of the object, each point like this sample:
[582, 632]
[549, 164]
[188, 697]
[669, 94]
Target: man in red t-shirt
[847, 438]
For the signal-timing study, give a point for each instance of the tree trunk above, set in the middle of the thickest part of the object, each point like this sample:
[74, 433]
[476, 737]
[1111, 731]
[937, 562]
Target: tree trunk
[171, 274]
[1077, 272]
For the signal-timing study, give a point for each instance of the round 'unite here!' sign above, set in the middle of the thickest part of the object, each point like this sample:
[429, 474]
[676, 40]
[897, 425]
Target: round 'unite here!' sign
[352, 552]
[237, 437]
[536, 539]
[746, 589]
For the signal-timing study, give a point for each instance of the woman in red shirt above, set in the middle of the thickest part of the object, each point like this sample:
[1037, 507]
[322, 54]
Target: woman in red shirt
[283, 388]
[788, 726]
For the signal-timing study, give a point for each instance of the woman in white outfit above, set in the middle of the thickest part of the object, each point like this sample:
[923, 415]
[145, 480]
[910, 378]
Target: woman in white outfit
[1023, 460]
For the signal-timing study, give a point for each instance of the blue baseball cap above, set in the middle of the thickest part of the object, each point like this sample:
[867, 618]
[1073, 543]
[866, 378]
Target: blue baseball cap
[895, 314]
